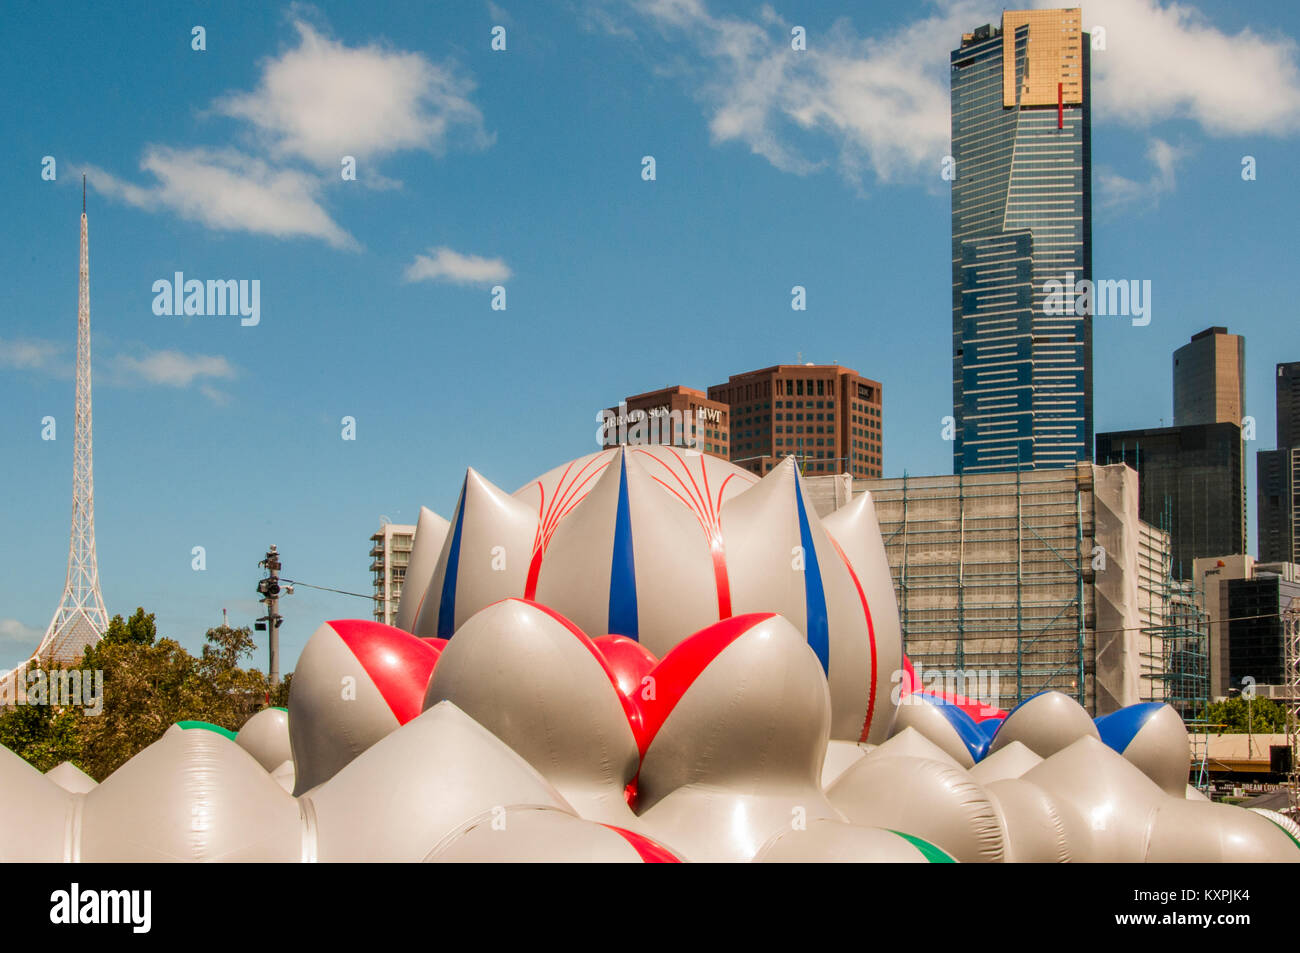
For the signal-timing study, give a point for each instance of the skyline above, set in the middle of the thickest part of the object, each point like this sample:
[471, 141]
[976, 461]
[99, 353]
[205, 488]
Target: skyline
[616, 285]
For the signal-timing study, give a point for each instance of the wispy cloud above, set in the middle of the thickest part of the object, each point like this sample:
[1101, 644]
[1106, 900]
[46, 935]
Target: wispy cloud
[879, 103]
[171, 368]
[228, 191]
[1167, 60]
[314, 103]
[35, 355]
[17, 642]
[444, 264]
[1117, 190]
[322, 100]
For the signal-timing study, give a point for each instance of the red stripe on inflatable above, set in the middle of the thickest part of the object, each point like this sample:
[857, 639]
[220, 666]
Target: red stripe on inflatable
[871, 635]
[650, 852]
[708, 520]
[548, 518]
[534, 570]
[720, 580]
[681, 666]
[398, 663]
[630, 707]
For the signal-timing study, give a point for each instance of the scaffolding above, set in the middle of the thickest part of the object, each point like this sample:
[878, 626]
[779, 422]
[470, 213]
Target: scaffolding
[991, 574]
[1291, 675]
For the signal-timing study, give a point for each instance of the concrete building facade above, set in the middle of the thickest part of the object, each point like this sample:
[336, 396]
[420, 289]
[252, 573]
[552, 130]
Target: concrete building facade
[1210, 379]
[825, 415]
[1048, 578]
[390, 554]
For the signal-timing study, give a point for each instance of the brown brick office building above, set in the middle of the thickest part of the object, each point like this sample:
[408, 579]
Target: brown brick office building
[677, 416]
[827, 416]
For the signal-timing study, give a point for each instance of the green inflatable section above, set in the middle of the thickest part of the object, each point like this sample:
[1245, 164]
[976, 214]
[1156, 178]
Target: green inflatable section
[931, 853]
[206, 726]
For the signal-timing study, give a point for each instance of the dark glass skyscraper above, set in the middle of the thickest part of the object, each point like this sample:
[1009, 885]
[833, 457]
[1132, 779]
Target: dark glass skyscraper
[1021, 216]
[1277, 475]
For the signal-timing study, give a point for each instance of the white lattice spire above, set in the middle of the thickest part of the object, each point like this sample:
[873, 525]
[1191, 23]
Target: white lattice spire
[81, 617]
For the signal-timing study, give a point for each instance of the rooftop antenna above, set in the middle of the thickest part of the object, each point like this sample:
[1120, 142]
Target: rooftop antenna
[83, 193]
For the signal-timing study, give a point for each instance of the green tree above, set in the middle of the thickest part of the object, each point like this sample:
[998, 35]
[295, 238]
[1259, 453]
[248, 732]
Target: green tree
[43, 735]
[1239, 715]
[149, 684]
[138, 630]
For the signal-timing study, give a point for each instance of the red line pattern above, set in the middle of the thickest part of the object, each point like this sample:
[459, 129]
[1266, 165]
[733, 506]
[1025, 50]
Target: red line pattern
[566, 497]
[707, 510]
[871, 635]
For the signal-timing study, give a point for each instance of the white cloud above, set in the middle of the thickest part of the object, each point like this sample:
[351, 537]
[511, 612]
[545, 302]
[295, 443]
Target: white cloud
[1166, 60]
[322, 100]
[15, 634]
[228, 191]
[443, 264]
[34, 355]
[1116, 190]
[879, 103]
[172, 368]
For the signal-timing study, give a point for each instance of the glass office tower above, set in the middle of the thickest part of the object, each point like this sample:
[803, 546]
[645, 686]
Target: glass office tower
[1021, 216]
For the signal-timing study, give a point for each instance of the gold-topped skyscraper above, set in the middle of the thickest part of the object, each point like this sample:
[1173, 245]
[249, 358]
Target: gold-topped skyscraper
[1021, 216]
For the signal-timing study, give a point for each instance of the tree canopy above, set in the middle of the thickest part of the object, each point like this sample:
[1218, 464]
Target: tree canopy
[149, 684]
[1239, 715]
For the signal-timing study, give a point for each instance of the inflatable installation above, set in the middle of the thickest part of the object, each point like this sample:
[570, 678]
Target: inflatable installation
[644, 656]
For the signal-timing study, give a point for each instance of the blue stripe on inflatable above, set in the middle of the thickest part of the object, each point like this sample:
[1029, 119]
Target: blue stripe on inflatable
[1119, 728]
[622, 567]
[814, 595]
[967, 729]
[447, 606]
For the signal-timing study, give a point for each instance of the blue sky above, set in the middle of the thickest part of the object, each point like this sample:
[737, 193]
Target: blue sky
[523, 168]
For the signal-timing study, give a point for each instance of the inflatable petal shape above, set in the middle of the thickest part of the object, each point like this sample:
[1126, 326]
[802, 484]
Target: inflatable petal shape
[266, 737]
[1008, 762]
[430, 535]
[71, 778]
[1199, 832]
[356, 681]
[825, 841]
[780, 559]
[484, 559]
[854, 530]
[400, 797]
[1154, 738]
[531, 834]
[629, 660]
[736, 731]
[946, 725]
[34, 814]
[1045, 724]
[840, 756]
[534, 679]
[631, 560]
[1112, 802]
[1035, 829]
[190, 796]
[934, 800]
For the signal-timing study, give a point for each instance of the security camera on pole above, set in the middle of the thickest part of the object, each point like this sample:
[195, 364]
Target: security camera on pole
[269, 589]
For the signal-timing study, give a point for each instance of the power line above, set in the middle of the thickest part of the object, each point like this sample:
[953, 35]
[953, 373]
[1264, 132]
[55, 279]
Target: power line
[328, 589]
